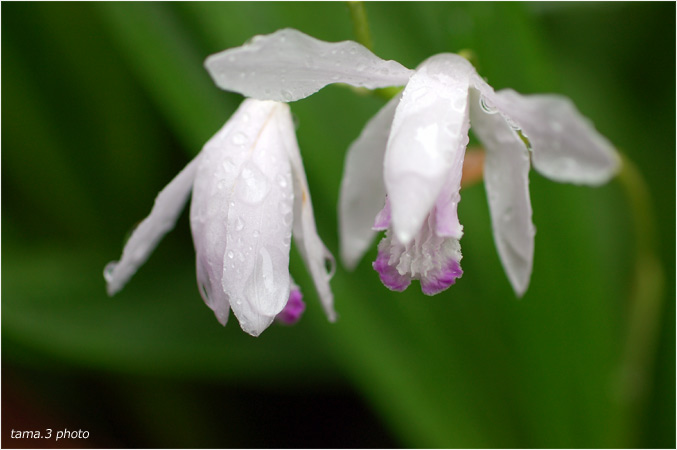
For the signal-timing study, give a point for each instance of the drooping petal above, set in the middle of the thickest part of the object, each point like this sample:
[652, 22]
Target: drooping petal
[362, 186]
[429, 130]
[506, 179]
[566, 147]
[226, 175]
[166, 209]
[212, 194]
[259, 224]
[288, 65]
[318, 259]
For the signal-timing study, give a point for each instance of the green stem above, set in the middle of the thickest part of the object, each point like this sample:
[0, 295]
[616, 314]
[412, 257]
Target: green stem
[644, 309]
[358, 15]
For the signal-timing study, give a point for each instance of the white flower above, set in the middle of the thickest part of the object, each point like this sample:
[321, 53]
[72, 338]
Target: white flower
[249, 193]
[412, 151]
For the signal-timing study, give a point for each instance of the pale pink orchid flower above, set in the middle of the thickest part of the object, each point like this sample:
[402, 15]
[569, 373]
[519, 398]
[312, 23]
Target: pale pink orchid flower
[249, 196]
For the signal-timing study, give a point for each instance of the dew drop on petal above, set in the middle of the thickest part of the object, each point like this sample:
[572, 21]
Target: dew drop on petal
[108, 271]
[239, 138]
[487, 106]
[251, 186]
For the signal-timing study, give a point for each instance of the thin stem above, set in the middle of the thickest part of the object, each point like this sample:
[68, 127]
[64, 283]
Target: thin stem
[358, 15]
[644, 309]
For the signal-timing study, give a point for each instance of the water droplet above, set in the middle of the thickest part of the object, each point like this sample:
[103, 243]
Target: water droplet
[239, 224]
[231, 255]
[353, 50]
[288, 218]
[330, 266]
[245, 117]
[282, 180]
[459, 104]
[487, 106]
[287, 96]
[205, 293]
[256, 234]
[335, 77]
[251, 185]
[360, 67]
[239, 138]
[512, 124]
[239, 302]
[108, 270]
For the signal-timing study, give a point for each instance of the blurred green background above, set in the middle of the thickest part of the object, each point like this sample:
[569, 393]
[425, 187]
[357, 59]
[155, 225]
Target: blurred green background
[103, 103]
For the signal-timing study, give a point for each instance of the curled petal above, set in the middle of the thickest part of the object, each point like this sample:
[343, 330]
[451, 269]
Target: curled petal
[362, 187]
[506, 178]
[288, 65]
[566, 147]
[429, 131]
[146, 236]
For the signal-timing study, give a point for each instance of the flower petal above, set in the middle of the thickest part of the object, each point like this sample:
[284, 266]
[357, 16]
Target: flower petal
[447, 223]
[319, 260]
[259, 224]
[506, 179]
[429, 130]
[430, 258]
[362, 188]
[566, 147]
[166, 210]
[224, 158]
[294, 308]
[288, 65]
